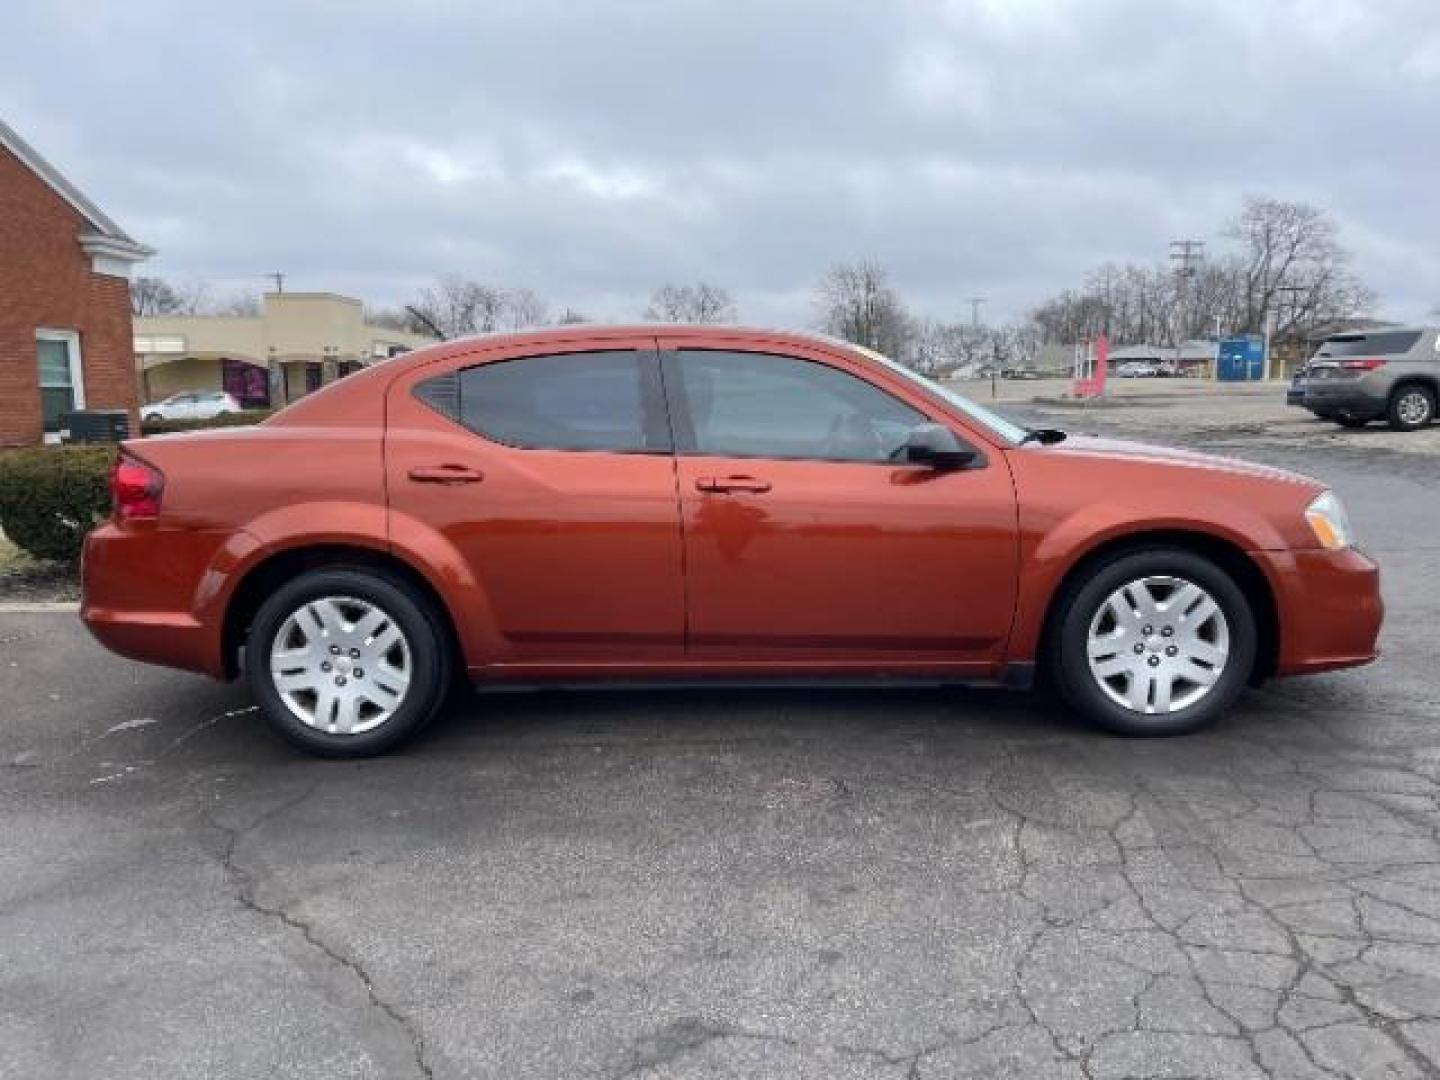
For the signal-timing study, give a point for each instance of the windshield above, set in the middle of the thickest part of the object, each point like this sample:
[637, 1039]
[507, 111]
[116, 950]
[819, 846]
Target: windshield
[992, 422]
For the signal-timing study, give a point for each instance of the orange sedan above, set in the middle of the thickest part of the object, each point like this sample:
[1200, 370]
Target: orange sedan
[589, 505]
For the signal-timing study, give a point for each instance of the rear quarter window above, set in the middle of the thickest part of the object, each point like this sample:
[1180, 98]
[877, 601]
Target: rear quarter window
[1387, 343]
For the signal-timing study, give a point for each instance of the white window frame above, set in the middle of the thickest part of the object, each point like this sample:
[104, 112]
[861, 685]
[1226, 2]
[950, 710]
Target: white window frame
[71, 338]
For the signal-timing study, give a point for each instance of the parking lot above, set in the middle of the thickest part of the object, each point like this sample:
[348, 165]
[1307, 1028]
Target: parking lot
[800, 884]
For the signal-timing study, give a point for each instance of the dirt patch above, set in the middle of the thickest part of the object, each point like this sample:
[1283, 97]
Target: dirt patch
[34, 581]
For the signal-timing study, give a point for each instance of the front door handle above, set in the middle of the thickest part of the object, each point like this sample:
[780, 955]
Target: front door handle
[732, 483]
[445, 474]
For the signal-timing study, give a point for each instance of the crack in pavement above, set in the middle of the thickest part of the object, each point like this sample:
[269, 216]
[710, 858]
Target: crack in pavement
[245, 883]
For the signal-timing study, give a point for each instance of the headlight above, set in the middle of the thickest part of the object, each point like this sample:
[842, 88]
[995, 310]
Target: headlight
[1329, 522]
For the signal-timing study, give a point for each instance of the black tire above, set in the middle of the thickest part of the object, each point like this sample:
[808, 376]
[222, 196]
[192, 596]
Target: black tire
[412, 612]
[1068, 657]
[1411, 407]
[1354, 423]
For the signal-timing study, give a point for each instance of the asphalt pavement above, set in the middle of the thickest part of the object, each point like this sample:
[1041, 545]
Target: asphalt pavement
[798, 884]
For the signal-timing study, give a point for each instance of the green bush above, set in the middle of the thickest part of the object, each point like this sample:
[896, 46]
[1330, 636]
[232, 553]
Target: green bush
[234, 419]
[51, 496]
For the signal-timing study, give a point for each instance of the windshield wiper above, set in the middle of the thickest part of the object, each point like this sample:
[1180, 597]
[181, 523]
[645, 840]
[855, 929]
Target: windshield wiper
[1045, 436]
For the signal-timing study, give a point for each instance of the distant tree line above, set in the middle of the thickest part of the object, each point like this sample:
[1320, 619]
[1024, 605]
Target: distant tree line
[156, 296]
[1280, 261]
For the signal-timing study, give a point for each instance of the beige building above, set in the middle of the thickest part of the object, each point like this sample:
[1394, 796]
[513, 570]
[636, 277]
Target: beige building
[298, 343]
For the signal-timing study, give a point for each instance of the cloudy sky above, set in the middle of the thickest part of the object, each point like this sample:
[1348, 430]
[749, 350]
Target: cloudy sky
[591, 149]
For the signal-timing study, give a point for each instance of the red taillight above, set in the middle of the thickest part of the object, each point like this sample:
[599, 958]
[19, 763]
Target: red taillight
[135, 488]
[1370, 363]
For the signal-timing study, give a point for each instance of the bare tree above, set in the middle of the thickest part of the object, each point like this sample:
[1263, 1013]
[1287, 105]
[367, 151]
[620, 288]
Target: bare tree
[698, 303]
[571, 317]
[153, 296]
[524, 308]
[1293, 266]
[856, 303]
[455, 306]
[156, 296]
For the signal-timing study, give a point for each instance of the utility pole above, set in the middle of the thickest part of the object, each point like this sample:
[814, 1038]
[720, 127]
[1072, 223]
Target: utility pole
[279, 279]
[1185, 254]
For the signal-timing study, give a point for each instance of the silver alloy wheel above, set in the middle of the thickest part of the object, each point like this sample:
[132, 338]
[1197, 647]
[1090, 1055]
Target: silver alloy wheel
[342, 665]
[1158, 644]
[1413, 407]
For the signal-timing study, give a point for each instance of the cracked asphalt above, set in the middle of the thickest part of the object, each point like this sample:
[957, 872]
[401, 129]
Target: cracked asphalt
[800, 884]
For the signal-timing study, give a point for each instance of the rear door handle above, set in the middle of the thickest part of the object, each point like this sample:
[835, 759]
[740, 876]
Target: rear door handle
[751, 484]
[445, 474]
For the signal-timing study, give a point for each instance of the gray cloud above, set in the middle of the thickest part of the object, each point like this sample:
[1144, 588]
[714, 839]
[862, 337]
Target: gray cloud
[594, 148]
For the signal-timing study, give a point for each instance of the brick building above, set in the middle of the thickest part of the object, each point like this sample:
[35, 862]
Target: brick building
[65, 328]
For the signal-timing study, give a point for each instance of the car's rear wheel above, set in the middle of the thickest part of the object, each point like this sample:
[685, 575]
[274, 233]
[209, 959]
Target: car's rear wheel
[1153, 642]
[347, 662]
[1411, 407]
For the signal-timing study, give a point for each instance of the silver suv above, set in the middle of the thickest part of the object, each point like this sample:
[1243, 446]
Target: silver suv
[1365, 375]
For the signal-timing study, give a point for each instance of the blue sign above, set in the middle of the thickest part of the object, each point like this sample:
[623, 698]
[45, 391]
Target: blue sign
[1241, 358]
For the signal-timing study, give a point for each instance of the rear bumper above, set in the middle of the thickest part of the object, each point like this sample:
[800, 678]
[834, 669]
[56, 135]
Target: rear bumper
[143, 594]
[1352, 396]
[1329, 609]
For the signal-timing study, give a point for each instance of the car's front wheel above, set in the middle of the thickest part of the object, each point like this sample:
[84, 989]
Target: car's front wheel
[347, 662]
[1158, 641]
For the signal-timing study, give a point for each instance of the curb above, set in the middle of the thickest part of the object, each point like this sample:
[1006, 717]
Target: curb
[71, 607]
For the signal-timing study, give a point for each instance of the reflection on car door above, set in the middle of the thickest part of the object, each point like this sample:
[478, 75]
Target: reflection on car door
[807, 542]
[553, 477]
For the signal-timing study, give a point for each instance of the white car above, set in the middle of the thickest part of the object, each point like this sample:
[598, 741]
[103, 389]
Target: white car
[192, 405]
[1137, 369]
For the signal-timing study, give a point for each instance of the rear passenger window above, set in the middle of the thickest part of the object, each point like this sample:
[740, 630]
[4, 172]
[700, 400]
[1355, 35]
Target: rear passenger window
[570, 401]
[1390, 343]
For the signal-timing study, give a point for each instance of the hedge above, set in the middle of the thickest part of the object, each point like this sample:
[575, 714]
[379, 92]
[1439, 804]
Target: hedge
[240, 419]
[51, 496]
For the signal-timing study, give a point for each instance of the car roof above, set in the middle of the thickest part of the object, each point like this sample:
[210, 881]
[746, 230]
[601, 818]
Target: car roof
[572, 332]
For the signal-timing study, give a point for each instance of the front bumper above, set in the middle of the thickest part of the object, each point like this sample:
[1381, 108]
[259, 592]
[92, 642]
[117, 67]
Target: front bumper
[1329, 608]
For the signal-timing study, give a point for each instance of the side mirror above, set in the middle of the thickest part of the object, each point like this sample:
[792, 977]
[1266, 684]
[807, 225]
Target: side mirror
[937, 446]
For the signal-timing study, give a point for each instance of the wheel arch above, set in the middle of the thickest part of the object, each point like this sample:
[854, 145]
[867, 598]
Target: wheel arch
[266, 575]
[1416, 378]
[1230, 557]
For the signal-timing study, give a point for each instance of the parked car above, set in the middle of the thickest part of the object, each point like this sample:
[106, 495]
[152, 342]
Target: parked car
[1137, 369]
[1393, 375]
[610, 505]
[192, 405]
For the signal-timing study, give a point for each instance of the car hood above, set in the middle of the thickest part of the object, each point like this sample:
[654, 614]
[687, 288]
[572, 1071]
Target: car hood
[1096, 448]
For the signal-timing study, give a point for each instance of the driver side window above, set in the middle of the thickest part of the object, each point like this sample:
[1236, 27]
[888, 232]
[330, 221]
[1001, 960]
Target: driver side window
[742, 404]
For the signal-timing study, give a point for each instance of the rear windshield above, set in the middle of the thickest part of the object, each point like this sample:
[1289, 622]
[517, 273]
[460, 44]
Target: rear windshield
[1387, 344]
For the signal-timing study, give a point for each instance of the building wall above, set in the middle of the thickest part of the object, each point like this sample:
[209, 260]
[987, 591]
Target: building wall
[293, 329]
[46, 282]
